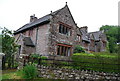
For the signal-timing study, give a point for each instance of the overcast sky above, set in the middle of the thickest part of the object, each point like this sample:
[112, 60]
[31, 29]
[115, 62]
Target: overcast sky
[91, 13]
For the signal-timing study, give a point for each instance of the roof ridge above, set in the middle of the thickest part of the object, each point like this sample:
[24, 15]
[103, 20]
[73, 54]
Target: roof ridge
[57, 11]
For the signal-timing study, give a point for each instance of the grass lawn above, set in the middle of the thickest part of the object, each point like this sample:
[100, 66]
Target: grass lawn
[12, 74]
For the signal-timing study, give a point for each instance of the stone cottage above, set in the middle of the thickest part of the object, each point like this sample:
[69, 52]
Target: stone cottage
[55, 33]
[92, 41]
[51, 34]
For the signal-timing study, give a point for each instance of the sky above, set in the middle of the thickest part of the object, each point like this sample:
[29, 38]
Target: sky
[92, 13]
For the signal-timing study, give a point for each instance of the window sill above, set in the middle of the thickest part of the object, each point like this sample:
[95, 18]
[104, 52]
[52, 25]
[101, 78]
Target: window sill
[64, 35]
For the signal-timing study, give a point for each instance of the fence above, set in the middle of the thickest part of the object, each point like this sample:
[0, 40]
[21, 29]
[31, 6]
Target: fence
[70, 64]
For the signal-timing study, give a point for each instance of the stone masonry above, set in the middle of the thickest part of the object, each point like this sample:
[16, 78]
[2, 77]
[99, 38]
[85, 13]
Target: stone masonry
[56, 33]
[62, 73]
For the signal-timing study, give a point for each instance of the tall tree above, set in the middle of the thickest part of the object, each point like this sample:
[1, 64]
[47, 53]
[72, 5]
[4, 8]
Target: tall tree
[9, 48]
[113, 34]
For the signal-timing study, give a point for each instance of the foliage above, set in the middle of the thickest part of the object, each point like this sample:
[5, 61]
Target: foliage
[104, 62]
[37, 56]
[34, 55]
[113, 37]
[0, 43]
[9, 48]
[30, 71]
[37, 59]
[78, 49]
[43, 57]
[12, 74]
[15, 74]
[16, 64]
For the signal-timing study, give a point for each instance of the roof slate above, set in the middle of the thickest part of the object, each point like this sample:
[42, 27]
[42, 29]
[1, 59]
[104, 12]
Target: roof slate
[28, 42]
[38, 21]
[84, 35]
[31, 24]
[96, 35]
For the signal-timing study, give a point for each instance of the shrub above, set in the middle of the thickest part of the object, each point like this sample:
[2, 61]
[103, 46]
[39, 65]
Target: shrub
[79, 49]
[43, 57]
[15, 64]
[96, 61]
[30, 71]
[34, 55]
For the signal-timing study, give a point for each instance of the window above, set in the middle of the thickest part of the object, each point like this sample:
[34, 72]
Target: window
[64, 29]
[63, 50]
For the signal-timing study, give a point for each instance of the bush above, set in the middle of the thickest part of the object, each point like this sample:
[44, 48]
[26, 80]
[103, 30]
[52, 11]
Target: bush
[34, 55]
[78, 49]
[104, 62]
[30, 71]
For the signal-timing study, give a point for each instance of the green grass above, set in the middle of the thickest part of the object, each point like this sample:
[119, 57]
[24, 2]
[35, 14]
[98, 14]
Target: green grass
[12, 74]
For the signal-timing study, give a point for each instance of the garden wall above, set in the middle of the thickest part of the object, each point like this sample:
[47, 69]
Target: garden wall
[62, 73]
[1, 55]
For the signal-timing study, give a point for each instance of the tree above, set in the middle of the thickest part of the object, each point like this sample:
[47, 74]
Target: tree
[9, 48]
[79, 49]
[113, 37]
[112, 45]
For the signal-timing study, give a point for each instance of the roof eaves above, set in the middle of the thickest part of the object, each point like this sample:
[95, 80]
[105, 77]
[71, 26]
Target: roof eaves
[42, 20]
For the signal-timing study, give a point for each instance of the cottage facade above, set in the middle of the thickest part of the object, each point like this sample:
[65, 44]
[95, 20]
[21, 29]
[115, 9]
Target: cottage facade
[92, 41]
[55, 33]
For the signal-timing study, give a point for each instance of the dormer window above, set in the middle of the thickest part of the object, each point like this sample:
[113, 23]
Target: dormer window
[64, 29]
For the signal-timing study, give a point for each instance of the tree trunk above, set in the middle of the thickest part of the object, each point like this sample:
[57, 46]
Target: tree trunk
[12, 61]
[3, 63]
[9, 62]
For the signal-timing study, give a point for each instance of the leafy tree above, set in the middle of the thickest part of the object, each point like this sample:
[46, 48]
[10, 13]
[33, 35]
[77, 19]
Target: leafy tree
[0, 43]
[9, 48]
[113, 37]
[78, 49]
[112, 45]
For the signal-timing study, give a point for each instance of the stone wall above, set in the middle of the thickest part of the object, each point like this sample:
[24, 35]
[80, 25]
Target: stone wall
[63, 16]
[62, 73]
[1, 55]
[0, 67]
[22, 61]
[42, 39]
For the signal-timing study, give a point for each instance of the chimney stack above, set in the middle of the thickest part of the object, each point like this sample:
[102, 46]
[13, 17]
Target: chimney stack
[33, 18]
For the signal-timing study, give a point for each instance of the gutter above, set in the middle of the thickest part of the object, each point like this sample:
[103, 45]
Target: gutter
[36, 38]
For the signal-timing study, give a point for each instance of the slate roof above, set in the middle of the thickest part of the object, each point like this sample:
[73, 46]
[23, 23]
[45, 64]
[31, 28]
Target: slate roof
[84, 35]
[31, 24]
[28, 41]
[85, 38]
[97, 35]
[78, 31]
[38, 21]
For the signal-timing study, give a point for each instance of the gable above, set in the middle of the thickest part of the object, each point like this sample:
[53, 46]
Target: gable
[91, 36]
[28, 41]
[64, 15]
[19, 39]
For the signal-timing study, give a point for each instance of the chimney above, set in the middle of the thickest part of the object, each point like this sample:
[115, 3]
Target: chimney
[84, 28]
[33, 18]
